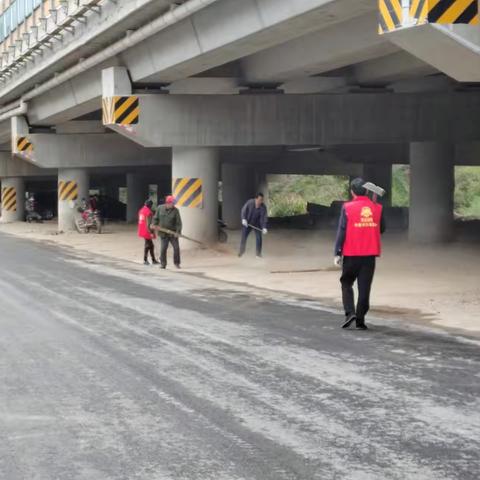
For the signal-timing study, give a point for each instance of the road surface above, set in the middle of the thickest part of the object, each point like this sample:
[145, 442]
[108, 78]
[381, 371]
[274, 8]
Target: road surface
[111, 372]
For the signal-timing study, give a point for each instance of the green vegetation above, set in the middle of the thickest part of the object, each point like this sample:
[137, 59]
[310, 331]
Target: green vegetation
[467, 192]
[400, 185]
[289, 194]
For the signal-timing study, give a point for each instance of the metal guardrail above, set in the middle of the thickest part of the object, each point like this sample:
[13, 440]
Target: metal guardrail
[63, 19]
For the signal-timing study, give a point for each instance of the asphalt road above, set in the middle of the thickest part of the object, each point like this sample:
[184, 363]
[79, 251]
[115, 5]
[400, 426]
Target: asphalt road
[110, 372]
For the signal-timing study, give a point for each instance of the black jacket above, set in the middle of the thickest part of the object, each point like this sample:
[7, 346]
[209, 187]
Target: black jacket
[252, 216]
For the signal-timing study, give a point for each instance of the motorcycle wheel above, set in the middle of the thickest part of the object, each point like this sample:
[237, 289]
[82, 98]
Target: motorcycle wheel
[80, 226]
[222, 236]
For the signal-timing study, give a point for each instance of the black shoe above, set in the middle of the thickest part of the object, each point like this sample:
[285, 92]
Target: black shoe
[178, 266]
[146, 262]
[361, 326]
[240, 255]
[154, 262]
[349, 320]
[163, 267]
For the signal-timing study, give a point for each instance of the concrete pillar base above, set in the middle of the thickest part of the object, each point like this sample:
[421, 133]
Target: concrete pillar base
[13, 199]
[431, 192]
[73, 186]
[199, 214]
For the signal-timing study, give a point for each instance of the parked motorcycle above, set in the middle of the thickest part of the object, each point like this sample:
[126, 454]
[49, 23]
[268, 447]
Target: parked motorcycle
[35, 214]
[222, 234]
[88, 220]
[31, 217]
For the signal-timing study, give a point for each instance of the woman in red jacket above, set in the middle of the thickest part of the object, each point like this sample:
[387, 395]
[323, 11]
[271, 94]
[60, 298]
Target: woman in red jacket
[144, 221]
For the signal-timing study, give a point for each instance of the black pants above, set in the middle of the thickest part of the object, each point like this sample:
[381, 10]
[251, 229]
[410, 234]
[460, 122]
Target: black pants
[361, 270]
[164, 242]
[243, 244]
[149, 248]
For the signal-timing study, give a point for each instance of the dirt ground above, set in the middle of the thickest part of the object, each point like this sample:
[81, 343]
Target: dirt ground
[439, 284]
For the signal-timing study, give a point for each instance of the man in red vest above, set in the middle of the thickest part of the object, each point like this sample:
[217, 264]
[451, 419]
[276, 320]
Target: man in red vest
[359, 243]
[144, 231]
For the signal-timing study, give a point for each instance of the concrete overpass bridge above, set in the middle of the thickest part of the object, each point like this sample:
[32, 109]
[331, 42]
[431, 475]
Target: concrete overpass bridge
[233, 90]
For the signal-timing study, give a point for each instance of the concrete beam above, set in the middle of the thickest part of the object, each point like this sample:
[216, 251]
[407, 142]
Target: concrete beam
[5, 131]
[75, 98]
[16, 167]
[90, 150]
[314, 85]
[230, 30]
[226, 31]
[350, 42]
[451, 49]
[309, 163]
[391, 68]
[256, 120]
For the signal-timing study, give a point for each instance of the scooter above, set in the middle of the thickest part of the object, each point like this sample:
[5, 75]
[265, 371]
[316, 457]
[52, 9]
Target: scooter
[33, 217]
[222, 234]
[88, 220]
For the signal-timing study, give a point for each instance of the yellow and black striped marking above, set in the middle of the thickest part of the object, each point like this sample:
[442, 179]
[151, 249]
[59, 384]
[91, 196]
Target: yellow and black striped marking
[121, 110]
[444, 12]
[448, 12]
[390, 15]
[419, 10]
[67, 190]
[9, 199]
[188, 192]
[24, 145]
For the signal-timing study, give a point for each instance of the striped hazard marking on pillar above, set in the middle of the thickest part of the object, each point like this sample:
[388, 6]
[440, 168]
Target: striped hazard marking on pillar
[121, 110]
[453, 11]
[419, 10]
[24, 145]
[9, 199]
[188, 192]
[390, 15]
[444, 12]
[67, 190]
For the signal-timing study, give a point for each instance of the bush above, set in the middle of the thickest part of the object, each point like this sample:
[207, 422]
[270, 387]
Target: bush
[287, 205]
[289, 194]
[467, 192]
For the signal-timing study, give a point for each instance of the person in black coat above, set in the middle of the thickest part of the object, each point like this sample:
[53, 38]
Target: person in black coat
[254, 217]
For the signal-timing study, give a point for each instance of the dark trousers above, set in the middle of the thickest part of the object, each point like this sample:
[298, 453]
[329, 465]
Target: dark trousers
[164, 242]
[149, 248]
[360, 270]
[243, 244]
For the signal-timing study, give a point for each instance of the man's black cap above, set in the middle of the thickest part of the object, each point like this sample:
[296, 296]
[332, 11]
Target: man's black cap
[357, 186]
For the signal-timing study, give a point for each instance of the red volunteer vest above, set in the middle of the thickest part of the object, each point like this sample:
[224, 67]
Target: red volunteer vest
[363, 228]
[143, 216]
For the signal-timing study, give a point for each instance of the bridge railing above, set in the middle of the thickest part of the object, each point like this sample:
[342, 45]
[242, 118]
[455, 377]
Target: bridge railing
[53, 20]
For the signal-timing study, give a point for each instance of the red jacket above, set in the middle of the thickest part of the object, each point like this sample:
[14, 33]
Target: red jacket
[144, 216]
[363, 236]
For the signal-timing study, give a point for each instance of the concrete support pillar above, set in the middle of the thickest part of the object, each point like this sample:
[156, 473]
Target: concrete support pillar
[199, 215]
[73, 185]
[238, 185]
[431, 192]
[13, 199]
[137, 193]
[380, 174]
